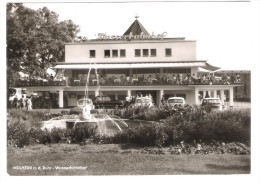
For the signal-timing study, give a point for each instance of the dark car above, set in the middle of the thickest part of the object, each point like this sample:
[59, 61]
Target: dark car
[101, 102]
[212, 103]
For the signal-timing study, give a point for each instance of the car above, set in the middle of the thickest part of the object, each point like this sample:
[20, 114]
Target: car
[212, 103]
[105, 102]
[143, 101]
[176, 101]
[80, 104]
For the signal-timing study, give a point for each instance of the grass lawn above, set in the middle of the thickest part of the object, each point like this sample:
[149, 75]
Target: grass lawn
[111, 159]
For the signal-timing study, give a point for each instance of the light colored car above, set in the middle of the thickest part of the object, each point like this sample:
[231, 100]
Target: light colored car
[214, 103]
[172, 101]
[143, 101]
[86, 101]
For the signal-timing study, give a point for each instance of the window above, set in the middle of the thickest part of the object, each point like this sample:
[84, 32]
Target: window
[137, 52]
[145, 52]
[107, 53]
[114, 53]
[153, 52]
[92, 53]
[168, 52]
[122, 52]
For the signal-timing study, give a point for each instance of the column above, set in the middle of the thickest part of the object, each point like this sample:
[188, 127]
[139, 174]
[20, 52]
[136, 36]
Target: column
[61, 99]
[161, 96]
[96, 93]
[204, 93]
[215, 93]
[128, 93]
[222, 96]
[196, 96]
[116, 96]
[231, 97]
[209, 92]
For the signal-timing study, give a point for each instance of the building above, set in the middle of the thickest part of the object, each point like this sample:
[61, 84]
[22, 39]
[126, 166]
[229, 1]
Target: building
[243, 92]
[136, 63]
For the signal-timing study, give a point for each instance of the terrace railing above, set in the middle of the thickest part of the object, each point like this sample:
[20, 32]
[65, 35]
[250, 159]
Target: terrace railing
[121, 82]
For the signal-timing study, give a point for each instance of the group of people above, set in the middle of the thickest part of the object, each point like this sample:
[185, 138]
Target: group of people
[48, 80]
[166, 79]
[24, 103]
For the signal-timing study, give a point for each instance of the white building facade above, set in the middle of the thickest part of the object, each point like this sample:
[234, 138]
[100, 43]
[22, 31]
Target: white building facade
[136, 63]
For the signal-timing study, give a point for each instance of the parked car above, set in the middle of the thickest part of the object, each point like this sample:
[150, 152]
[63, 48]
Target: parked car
[143, 101]
[176, 101]
[80, 104]
[212, 103]
[106, 102]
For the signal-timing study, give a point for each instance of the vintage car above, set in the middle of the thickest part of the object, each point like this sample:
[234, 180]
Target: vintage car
[176, 101]
[212, 103]
[104, 102]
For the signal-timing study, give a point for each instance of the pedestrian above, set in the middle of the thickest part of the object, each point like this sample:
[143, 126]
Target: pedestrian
[29, 104]
[20, 105]
[24, 100]
[15, 102]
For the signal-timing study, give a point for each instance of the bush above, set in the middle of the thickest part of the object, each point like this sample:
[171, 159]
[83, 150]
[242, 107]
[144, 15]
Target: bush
[80, 133]
[189, 124]
[230, 125]
[148, 135]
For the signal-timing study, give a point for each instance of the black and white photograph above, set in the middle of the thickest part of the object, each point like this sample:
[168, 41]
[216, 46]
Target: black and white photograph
[130, 88]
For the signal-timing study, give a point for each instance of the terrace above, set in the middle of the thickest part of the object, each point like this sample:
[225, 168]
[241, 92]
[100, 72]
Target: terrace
[178, 79]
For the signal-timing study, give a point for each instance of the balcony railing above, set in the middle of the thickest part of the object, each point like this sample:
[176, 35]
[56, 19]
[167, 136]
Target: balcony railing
[43, 82]
[124, 82]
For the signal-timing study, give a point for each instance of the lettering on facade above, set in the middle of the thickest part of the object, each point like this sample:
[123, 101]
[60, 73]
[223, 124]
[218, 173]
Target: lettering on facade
[142, 36]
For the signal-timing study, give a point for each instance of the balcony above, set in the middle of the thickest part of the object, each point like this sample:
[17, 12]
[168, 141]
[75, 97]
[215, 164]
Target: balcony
[127, 81]
[40, 82]
[124, 81]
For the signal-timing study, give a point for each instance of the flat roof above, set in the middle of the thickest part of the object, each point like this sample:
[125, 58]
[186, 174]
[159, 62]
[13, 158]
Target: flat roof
[129, 62]
[130, 41]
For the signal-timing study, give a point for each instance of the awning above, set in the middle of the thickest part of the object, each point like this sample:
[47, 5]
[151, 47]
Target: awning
[210, 67]
[202, 64]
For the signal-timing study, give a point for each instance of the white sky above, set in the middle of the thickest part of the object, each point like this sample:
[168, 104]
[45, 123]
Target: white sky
[222, 29]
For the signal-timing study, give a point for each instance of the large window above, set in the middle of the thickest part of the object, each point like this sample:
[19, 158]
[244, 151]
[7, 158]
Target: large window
[153, 52]
[137, 52]
[114, 53]
[168, 52]
[92, 53]
[122, 52]
[107, 53]
[145, 52]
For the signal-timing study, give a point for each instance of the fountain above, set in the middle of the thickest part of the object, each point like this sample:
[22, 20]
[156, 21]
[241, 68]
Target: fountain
[106, 125]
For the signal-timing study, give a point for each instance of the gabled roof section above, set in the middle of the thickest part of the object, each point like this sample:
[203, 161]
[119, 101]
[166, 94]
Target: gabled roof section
[136, 28]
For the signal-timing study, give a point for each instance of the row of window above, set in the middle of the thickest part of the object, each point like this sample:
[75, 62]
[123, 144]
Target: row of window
[138, 53]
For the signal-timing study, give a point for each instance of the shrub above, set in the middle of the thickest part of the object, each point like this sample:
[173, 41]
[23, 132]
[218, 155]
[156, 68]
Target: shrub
[223, 126]
[80, 133]
[17, 132]
[149, 135]
[189, 124]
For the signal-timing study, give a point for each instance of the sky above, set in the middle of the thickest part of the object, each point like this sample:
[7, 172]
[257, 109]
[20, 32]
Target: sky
[222, 29]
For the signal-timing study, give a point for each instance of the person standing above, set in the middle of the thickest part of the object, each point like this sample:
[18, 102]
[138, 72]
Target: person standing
[24, 100]
[29, 104]
[20, 105]
[15, 101]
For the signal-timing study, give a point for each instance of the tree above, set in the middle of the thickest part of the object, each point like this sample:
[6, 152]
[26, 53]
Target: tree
[35, 40]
